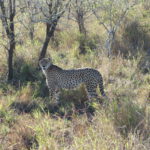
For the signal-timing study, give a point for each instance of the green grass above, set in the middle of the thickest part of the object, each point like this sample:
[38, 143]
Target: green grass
[30, 120]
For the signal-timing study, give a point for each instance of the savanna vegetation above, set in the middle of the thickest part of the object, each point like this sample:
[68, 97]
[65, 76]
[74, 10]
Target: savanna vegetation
[110, 36]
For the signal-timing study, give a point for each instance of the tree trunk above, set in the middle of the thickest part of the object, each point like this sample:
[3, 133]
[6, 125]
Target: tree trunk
[82, 45]
[81, 26]
[82, 30]
[44, 48]
[50, 29]
[31, 29]
[31, 33]
[110, 42]
[8, 24]
[10, 61]
[11, 51]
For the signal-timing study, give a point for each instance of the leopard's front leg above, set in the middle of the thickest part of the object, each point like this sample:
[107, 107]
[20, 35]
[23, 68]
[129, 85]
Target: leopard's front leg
[51, 93]
[54, 94]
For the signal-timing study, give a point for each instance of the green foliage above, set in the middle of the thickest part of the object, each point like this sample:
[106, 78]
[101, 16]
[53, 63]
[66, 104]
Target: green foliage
[29, 119]
[40, 89]
[89, 43]
[132, 40]
[136, 36]
[35, 121]
[7, 116]
[144, 64]
[24, 71]
[128, 117]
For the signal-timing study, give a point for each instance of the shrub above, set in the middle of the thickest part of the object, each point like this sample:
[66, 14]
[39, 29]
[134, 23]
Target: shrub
[25, 71]
[128, 116]
[132, 39]
[91, 42]
[136, 37]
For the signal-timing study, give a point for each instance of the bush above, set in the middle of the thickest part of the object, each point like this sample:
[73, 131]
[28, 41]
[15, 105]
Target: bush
[91, 42]
[40, 89]
[144, 64]
[25, 71]
[135, 37]
[128, 117]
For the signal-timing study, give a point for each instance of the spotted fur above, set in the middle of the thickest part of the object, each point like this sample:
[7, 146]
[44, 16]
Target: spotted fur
[58, 78]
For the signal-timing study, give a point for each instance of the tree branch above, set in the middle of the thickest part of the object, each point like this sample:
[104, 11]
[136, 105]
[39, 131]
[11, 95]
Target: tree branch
[4, 18]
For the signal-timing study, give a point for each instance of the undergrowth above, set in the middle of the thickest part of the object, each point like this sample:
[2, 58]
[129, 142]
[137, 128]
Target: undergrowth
[30, 120]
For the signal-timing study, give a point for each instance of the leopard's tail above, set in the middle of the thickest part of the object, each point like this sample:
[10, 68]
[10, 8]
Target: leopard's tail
[101, 87]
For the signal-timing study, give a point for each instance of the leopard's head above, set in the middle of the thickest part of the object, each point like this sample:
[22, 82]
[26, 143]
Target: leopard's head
[45, 63]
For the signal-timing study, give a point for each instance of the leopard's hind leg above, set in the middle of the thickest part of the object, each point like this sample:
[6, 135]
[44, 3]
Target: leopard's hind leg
[91, 92]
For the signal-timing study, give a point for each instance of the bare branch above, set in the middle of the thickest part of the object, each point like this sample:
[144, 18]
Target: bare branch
[100, 22]
[111, 14]
[3, 18]
[123, 15]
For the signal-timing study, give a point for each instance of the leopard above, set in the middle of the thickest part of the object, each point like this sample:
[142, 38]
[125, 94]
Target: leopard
[58, 78]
